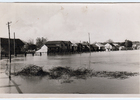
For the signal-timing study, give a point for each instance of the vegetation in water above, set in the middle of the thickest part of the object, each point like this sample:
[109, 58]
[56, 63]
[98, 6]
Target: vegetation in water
[67, 73]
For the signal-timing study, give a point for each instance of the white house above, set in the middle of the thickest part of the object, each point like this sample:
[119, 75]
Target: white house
[108, 47]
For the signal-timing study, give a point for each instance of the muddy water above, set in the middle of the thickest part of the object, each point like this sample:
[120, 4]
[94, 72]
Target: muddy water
[128, 61]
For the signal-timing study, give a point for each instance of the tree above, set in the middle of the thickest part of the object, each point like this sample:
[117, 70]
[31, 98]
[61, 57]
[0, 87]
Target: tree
[30, 41]
[128, 43]
[29, 46]
[40, 42]
[109, 41]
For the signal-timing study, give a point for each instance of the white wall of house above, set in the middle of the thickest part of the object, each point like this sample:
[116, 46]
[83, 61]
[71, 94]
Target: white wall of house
[108, 47]
[43, 49]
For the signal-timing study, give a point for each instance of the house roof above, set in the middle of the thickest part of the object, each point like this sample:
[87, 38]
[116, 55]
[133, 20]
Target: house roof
[93, 45]
[54, 42]
[5, 44]
[67, 42]
[99, 44]
[44, 48]
[112, 44]
[74, 44]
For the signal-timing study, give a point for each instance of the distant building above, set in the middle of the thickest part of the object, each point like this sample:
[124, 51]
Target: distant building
[122, 48]
[43, 49]
[79, 47]
[85, 47]
[74, 47]
[135, 45]
[68, 44]
[100, 46]
[108, 47]
[94, 47]
[4, 46]
[56, 46]
[138, 46]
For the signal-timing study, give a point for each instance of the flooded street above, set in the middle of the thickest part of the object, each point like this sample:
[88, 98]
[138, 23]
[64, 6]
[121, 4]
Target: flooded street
[128, 61]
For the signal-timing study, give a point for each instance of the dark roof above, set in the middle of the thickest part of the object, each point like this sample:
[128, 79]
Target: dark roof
[58, 42]
[93, 45]
[112, 44]
[4, 42]
[54, 42]
[67, 42]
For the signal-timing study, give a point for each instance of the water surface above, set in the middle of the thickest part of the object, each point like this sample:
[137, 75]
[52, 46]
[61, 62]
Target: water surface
[128, 61]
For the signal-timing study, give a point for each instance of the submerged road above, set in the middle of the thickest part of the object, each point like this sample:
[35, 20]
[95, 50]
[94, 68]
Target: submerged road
[7, 85]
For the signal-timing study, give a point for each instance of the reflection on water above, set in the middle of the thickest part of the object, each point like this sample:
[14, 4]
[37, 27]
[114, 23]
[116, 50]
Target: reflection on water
[103, 63]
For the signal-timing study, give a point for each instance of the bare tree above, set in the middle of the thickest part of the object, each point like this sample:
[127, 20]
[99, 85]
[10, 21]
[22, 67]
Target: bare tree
[30, 41]
[40, 42]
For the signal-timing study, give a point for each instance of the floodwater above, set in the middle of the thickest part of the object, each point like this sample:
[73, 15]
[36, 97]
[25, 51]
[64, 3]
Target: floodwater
[128, 61]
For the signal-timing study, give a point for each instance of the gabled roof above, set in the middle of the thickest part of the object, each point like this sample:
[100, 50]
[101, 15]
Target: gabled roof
[115, 44]
[112, 44]
[67, 42]
[99, 44]
[93, 45]
[44, 48]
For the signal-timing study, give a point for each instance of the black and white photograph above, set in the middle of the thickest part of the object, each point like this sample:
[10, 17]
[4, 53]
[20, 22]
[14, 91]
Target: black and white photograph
[69, 48]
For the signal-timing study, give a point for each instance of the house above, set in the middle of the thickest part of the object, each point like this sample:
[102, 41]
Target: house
[94, 47]
[79, 47]
[85, 47]
[29, 48]
[116, 46]
[68, 44]
[74, 47]
[122, 48]
[100, 46]
[4, 46]
[108, 47]
[135, 45]
[138, 46]
[56, 46]
[111, 47]
[44, 49]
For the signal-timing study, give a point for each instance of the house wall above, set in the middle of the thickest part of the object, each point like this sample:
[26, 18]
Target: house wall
[108, 47]
[4, 46]
[56, 47]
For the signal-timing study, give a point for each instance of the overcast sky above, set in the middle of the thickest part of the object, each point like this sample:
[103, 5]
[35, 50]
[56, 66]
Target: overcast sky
[71, 21]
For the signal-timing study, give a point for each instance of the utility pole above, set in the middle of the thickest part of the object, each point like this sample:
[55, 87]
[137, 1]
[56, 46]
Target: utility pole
[9, 50]
[14, 46]
[89, 50]
[89, 41]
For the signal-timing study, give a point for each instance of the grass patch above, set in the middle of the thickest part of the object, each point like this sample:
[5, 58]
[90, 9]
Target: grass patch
[32, 70]
[114, 74]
